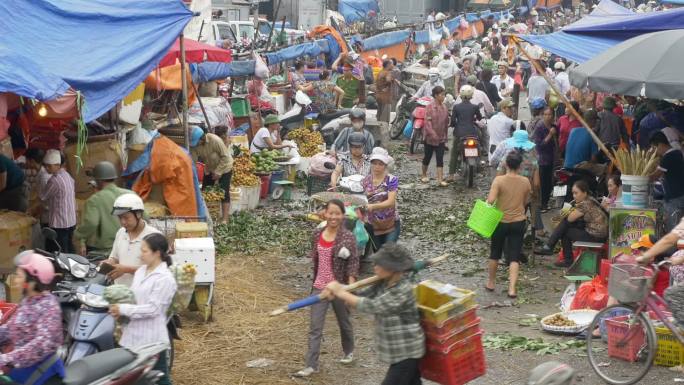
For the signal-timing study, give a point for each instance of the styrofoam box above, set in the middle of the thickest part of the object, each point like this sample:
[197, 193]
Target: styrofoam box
[201, 253]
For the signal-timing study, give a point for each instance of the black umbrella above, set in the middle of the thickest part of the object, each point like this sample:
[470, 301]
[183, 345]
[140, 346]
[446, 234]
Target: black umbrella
[648, 65]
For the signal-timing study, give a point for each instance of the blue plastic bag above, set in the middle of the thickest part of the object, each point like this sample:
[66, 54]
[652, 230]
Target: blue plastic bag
[361, 236]
[408, 129]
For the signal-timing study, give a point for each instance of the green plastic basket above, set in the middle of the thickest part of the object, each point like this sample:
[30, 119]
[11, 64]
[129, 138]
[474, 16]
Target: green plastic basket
[484, 218]
[240, 107]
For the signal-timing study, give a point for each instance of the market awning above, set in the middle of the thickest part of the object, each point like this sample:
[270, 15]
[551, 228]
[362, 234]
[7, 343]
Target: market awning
[195, 52]
[599, 31]
[102, 48]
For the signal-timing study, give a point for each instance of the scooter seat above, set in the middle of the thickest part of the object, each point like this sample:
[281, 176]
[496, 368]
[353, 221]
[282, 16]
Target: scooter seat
[91, 368]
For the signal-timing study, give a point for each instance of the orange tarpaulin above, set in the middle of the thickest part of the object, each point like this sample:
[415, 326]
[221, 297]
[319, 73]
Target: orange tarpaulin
[171, 167]
[169, 78]
[321, 31]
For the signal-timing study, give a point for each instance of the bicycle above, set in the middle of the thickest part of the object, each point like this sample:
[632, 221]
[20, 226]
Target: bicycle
[627, 353]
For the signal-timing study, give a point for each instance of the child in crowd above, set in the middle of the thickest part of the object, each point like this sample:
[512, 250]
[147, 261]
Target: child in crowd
[399, 338]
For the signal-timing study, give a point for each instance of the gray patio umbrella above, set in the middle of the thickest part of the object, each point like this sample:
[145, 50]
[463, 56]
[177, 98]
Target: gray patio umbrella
[648, 65]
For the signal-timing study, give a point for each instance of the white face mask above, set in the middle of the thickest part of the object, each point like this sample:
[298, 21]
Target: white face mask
[357, 125]
[434, 79]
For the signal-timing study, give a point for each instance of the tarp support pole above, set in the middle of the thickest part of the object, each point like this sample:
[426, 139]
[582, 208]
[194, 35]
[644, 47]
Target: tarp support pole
[204, 112]
[564, 99]
[275, 17]
[184, 87]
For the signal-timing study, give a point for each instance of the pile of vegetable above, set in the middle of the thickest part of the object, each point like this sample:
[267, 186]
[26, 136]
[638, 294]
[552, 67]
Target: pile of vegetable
[251, 233]
[185, 280]
[560, 320]
[507, 341]
[308, 142]
[243, 168]
[637, 161]
[264, 161]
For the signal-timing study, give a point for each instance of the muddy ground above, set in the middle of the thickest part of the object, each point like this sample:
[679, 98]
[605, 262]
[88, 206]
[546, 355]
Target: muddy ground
[248, 287]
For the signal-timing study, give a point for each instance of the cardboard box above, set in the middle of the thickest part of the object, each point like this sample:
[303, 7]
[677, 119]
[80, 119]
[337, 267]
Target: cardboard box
[192, 230]
[12, 292]
[15, 236]
[95, 152]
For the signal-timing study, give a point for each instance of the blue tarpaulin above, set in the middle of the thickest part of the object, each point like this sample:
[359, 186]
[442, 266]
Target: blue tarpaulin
[355, 10]
[610, 25]
[386, 39]
[102, 48]
[422, 37]
[208, 71]
[578, 48]
[23, 76]
[313, 48]
[675, 2]
[453, 24]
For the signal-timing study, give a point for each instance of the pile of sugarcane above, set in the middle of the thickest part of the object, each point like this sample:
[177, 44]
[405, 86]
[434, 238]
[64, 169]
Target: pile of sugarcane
[637, 161]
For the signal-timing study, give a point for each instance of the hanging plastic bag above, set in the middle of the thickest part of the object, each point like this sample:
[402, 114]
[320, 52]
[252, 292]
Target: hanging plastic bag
[592, 295]
[568, 297]
[408, 129]
[361, 236]
[260, 67]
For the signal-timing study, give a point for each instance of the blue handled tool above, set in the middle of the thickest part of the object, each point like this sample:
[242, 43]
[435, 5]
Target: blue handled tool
[308, 301]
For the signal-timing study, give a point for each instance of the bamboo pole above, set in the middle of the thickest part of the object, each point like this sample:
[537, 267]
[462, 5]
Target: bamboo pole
[184, 86]
[419, 265]
[565, 100]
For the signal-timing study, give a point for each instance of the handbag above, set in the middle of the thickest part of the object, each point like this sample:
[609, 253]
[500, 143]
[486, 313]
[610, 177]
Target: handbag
[383, 226]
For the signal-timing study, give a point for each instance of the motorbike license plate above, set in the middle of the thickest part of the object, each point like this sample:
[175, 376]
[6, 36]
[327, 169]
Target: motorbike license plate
[560, 191]
[470, 152]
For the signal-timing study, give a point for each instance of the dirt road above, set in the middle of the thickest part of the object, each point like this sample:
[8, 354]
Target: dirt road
[248, 287]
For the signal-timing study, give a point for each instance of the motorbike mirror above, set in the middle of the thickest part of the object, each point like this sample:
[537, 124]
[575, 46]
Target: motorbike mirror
[329, 165]
[49, 234]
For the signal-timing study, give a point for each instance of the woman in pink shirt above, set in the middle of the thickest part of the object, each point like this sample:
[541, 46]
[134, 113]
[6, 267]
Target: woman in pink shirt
[334, 258]
[565, 125]
[436, 132]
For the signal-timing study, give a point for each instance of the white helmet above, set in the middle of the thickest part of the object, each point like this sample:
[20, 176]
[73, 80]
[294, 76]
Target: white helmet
[126, 203]
[465, 51]
[440, 16]
[559, 66]
[467, 92]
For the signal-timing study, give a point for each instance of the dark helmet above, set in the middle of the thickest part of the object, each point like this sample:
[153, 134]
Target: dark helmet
[356, 139]
[104, 171]
[357, 113]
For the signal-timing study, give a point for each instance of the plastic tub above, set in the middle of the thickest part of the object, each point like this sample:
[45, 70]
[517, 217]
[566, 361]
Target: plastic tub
[634, 191]
[265, 183]
[276, 176]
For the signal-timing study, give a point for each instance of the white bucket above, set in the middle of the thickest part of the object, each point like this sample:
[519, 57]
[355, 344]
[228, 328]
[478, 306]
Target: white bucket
[634, 191]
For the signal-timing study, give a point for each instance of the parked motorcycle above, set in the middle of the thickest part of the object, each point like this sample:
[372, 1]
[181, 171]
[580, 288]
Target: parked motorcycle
[115, 367]
[470, 158]
[405, 106]
[418, 123]
[294, 118]
[566, 177]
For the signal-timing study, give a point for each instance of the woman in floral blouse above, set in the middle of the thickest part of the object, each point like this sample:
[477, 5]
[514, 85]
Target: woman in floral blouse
[334, 257]
[381, 189]
[35, 331]
[587, 222]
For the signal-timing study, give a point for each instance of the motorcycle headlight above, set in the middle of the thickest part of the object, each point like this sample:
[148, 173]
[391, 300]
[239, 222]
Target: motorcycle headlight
[79, 270]
[92, 300]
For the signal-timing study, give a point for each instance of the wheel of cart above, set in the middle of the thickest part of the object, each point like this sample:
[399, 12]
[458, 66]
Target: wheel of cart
[197, 249]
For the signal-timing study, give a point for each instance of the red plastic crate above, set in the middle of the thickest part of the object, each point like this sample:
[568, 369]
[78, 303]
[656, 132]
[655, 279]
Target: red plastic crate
[605, 270]
[456, 322]
[7, 310]
[464, 362]
[617, 329]
[443, 341]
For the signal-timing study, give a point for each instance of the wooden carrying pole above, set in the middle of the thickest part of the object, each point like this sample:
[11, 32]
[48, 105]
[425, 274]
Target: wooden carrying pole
[184, 86]
[308, 301]
[564, 99]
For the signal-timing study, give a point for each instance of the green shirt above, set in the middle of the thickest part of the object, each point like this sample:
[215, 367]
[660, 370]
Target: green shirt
[98, 226]
[351, 90]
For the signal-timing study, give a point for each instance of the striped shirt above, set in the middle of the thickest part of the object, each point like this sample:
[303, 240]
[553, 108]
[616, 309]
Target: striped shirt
[59, 195]
[153, 294]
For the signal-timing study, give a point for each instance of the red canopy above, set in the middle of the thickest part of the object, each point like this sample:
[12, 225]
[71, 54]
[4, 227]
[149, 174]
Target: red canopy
[195, 52]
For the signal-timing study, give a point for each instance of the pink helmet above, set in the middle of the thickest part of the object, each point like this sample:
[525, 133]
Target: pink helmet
[36, 266]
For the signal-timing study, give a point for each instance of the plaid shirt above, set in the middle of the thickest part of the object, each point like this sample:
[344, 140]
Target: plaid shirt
[59, 195]
[398, 333]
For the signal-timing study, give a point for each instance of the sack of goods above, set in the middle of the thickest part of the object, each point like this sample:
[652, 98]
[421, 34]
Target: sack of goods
[185, 281]
[454, 352]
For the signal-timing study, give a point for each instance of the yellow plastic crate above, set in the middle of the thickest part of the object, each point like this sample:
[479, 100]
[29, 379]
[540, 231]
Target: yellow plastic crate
[670, 352]
[438, 302]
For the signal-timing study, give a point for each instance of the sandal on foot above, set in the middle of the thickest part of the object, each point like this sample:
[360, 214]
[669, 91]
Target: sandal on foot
[425, 180]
